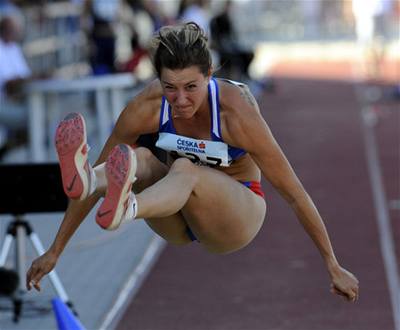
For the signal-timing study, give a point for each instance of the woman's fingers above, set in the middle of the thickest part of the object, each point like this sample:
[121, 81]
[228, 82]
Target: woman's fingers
[345, 284]
[29, 276]
[33, 277]
[39, 268]
[35, 280]
[350, 295]
[339, 293]
[36, 284]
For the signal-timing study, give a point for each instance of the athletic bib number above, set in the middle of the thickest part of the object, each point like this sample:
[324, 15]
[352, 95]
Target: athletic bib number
[212, 153]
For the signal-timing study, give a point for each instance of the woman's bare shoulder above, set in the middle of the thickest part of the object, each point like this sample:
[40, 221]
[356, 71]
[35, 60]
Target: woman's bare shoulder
[142, 112]
[150, 95]
[236, 97]
[236, 101]
[238, 107]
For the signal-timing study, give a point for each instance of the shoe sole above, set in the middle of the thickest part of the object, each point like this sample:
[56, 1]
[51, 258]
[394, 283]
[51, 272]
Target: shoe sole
[120, 173]
[71, 149]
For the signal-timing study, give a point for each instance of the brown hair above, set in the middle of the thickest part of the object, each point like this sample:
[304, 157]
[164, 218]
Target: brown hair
[179, 47]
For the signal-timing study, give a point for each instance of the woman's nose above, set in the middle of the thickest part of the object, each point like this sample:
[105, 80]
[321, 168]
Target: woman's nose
[181, 98]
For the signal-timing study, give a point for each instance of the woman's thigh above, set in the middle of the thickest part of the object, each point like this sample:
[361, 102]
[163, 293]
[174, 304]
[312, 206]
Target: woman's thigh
[173, 228]
[223, 214]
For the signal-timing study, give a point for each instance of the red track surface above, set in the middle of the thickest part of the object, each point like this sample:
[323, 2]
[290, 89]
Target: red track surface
[279, 281]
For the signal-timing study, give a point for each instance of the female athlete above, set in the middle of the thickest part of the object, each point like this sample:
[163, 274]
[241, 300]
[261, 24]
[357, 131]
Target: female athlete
[209, 189]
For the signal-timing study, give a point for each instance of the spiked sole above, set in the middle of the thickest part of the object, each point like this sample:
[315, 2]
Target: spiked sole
[71, 149]
[120, 172]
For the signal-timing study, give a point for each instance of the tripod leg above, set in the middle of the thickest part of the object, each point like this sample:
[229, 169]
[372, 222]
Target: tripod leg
[17, 301]
[5, 249]
[20, 255]
[16, 297]
[20, 265]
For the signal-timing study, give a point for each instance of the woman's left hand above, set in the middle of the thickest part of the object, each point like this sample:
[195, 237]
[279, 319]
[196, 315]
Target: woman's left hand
[344, 284]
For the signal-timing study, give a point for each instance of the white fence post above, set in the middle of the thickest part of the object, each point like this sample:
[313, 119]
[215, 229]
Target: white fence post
[105, 88]
[36, 124]
[117, 103]
[103, 120]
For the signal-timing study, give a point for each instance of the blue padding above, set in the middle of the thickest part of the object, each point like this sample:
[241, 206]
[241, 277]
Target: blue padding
[65, 319]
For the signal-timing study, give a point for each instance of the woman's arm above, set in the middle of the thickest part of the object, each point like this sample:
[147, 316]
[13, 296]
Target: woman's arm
[253, 134]
[126, 130]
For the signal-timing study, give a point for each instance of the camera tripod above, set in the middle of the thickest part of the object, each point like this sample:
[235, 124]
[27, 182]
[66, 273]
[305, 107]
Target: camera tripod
[29, 188]
[18, 230]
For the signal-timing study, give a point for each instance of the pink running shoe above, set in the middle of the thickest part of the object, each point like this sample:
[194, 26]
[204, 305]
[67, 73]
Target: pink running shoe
[72, 153]
[121, 167]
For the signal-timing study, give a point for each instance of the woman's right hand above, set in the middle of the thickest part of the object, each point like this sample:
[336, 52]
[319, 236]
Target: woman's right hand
[39, 268]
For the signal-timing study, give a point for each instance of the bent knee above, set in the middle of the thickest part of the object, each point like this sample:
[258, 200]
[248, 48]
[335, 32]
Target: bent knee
[186, 170]
[183, 165]
[143, 153]
[149, 169]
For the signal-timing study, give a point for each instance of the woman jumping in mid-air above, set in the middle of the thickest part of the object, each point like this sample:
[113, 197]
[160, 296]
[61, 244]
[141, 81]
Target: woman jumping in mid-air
[209, 189]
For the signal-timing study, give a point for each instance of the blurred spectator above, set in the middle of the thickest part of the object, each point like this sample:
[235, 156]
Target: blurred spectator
[14, 72]
[311, 13]
[135, 30]
[195, 11]
[151, 8]
[8, 8]
[370, 17]
[100, 19]
[138, 54]
[234, 59]
[372, 30]
[140, 21]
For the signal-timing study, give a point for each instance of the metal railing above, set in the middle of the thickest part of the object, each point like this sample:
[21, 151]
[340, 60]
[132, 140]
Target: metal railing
[44, 99]
[53, 38]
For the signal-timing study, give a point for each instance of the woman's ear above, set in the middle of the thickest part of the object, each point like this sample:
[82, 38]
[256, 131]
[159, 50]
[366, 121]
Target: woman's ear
[209, 74]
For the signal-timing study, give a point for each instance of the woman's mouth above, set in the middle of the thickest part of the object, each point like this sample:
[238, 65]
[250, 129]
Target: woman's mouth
[182, 112]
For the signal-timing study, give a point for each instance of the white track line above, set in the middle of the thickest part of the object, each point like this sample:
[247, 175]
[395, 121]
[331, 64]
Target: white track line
[382, 215]
[133, 284]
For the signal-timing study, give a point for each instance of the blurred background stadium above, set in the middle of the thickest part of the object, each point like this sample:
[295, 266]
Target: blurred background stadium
[92, 56]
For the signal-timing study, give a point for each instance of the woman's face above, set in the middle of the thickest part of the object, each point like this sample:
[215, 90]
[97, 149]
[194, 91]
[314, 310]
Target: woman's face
[185, 90]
